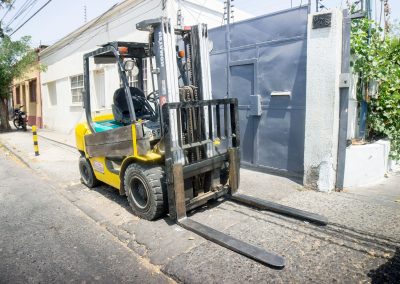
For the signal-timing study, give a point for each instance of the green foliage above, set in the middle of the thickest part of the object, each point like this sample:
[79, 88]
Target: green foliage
[384, 117]
[377, 58]
[5, 3]
[16, 57]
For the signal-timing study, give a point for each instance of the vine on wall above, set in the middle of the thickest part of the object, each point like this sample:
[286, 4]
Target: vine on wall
[376, 59]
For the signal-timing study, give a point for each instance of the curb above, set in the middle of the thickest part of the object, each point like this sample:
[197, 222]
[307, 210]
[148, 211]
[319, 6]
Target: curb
[4, 145]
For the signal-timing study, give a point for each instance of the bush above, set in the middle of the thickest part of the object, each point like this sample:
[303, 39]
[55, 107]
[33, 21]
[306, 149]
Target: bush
[378, 59]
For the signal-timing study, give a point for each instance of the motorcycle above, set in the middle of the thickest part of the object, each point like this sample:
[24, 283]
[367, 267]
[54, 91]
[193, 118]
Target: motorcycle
[20, 119]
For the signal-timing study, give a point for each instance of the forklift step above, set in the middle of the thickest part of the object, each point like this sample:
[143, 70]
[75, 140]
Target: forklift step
[248, 250]
[280, 209]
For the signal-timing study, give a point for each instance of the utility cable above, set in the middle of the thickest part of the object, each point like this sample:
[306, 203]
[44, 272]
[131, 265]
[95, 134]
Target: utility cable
[19, 11]
[40, 9]
[26, 14]
[8, 10]
[89, 37]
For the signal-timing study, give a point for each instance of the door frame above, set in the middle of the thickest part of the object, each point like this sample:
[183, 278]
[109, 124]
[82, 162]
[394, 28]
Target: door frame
[254, 120]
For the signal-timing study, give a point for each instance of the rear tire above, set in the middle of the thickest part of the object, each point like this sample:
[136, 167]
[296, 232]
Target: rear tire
[87, 174]
[16, 123]
[146, 190]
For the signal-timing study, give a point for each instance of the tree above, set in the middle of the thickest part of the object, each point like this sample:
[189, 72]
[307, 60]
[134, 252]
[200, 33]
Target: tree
[16, 57]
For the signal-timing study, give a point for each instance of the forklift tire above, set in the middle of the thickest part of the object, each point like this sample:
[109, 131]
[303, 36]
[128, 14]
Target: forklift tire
[87, 175]
[146, 190]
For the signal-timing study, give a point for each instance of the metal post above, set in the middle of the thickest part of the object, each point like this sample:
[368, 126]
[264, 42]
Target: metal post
[344, 101]
[35, 140]
[364, 103]
[228, 48]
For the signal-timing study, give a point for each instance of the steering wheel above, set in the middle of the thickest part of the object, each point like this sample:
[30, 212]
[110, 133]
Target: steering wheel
[152, 97]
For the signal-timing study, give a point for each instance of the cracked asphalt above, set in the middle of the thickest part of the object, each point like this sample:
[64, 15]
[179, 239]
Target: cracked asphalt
[361, 244]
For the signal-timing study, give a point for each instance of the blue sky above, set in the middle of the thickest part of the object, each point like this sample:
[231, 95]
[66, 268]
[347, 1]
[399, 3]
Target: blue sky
[61, 17]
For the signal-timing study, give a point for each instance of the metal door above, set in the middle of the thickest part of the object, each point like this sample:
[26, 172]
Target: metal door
[268, 76]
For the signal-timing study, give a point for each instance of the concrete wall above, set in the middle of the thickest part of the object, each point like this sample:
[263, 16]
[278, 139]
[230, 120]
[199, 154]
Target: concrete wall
[324, 48]
[64, 58]
[366, 164]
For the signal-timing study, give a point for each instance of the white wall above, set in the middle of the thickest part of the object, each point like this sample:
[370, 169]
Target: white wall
[366, 164]
[64, 58]
[324, 48]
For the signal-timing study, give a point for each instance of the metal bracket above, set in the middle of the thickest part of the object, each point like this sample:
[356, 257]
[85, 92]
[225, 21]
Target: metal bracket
[344, 80]
[155, 71]
[255, 105]
[358, 15]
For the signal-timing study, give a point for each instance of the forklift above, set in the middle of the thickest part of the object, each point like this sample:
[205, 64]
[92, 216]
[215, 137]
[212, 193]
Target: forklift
[176, 148]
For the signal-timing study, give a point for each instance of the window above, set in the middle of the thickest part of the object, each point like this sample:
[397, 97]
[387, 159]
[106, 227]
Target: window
[52, 90]
[32, 91]
[145, 76]
[17, 95]
[77, 89]
[133, 80]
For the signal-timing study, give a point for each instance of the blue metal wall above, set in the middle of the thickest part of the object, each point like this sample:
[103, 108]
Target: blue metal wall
[268, 54]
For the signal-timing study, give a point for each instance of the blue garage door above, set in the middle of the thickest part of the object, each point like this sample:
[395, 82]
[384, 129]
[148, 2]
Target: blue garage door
[268, 59]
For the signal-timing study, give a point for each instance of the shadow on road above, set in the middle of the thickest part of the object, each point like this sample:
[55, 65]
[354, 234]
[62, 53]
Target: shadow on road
[113, 194]
[388, 272]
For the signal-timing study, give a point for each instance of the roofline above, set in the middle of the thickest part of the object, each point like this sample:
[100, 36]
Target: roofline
[104, 17]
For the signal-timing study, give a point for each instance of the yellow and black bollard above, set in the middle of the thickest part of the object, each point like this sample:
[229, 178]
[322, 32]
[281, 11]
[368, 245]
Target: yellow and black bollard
[35, 140]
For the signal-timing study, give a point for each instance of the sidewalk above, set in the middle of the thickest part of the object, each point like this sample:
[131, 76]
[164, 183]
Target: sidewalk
[67, 139]
[359, 245]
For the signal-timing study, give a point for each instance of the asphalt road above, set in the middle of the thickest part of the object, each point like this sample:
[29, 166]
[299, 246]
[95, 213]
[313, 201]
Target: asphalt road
[45, 238]
[361, 244]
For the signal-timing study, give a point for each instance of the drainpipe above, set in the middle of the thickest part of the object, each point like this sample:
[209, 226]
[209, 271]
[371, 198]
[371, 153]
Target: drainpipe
[39, 84]
[364, 103]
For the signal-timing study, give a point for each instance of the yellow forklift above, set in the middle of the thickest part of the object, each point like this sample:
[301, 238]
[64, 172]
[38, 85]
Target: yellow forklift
[175, 148]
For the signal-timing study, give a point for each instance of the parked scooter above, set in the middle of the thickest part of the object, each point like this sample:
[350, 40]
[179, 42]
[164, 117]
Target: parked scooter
[20, 119]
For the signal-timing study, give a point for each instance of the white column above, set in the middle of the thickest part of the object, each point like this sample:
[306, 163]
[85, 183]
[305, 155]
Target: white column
[324, 49]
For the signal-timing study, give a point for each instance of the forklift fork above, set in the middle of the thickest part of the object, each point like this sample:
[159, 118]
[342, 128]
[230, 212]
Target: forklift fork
[259, 254]
[178, 173]
[246, 249]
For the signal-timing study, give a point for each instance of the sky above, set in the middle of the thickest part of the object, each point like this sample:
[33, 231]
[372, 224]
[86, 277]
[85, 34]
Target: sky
[60, 17]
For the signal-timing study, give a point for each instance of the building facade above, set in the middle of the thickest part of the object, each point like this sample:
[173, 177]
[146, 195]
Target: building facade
[26, 92]
[62, 83]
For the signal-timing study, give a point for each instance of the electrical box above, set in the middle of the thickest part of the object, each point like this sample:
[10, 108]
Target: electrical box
[255, 105]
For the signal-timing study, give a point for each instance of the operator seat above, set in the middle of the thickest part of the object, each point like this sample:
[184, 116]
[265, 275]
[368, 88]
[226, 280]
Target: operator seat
[120, 107]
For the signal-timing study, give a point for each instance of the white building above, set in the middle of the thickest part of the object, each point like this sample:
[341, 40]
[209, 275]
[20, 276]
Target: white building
[62, 82]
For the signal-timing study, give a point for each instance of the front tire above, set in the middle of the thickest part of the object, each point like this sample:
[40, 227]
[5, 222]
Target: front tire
[87, 174]
[146, 190]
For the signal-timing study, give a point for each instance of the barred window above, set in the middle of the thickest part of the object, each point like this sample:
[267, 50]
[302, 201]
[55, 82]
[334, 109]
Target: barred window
[145, 76]
[133, 81]
[77, 88]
